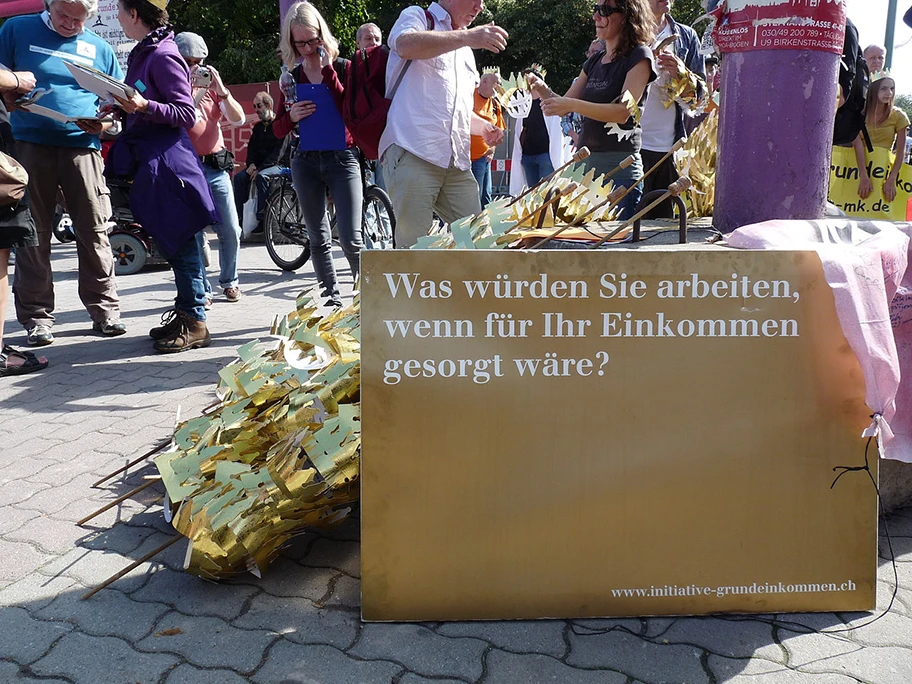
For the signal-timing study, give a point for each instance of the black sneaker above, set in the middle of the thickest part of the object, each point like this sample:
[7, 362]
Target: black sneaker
[110, 328]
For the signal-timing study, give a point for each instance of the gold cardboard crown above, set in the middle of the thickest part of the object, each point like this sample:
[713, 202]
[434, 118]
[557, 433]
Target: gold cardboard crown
[490, 70]
[881, 74]
[161, 4]
[538, 68]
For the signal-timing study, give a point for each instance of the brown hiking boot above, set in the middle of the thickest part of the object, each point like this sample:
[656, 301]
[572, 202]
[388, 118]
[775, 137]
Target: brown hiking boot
[189, 334]
[168, 325]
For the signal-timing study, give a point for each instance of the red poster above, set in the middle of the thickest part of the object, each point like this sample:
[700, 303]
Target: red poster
[743, 25]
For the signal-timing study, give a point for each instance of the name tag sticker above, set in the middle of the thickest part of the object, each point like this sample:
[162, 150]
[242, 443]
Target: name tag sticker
[140, 86]
[85, 49]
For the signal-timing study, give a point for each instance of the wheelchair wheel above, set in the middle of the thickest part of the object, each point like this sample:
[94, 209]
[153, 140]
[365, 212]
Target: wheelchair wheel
[130, 254]
[378, 220]
[283, 226]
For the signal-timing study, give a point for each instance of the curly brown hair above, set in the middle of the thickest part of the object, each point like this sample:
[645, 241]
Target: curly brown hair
[639, 27]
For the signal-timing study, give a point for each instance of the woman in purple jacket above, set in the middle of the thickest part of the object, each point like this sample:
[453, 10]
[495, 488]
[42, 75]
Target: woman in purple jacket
[169, 197]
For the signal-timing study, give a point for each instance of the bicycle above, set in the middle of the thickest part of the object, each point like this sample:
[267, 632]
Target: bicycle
[286, 235]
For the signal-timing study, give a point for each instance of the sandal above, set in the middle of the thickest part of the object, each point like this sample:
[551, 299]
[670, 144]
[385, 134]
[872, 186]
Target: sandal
[30, 362]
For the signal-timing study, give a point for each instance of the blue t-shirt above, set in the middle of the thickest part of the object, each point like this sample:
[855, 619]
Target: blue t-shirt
[28, 44]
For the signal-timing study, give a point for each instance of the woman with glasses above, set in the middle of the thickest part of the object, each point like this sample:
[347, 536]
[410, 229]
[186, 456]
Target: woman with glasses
[625, 64]
[306, 38]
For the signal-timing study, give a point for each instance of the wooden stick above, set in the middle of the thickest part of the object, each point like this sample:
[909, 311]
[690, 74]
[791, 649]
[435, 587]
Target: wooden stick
[553, 197]
[675, 189]
[674, 148]
[161, 445]
[119, 499]
[135, 564]
[578, 156]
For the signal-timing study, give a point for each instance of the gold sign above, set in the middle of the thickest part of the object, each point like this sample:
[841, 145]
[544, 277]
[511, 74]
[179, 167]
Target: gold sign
[631, 432]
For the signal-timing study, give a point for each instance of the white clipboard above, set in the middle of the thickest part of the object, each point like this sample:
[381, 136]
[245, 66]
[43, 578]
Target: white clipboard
[98, 82]
[60, 116]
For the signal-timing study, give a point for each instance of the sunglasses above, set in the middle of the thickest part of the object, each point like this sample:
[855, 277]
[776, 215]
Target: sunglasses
[311, 42]
[605, 10]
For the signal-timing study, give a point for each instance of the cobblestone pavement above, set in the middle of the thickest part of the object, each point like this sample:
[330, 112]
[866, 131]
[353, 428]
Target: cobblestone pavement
[104, 401]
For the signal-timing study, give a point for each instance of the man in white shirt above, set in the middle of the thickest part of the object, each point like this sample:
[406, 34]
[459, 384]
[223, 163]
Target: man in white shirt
[425, 148]
[681, 73]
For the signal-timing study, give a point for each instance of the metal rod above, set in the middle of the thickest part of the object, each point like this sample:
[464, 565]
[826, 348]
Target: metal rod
[132, 463]
[675, 189]
[682, 218]
[135, 564]
[581, 154]
[118, 500]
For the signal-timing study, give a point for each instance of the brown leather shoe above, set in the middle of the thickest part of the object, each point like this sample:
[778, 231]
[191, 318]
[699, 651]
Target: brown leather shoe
[169, 323]
[189, 334]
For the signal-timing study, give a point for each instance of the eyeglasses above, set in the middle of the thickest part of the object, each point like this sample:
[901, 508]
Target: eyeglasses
[259, 105]
[311, 42]
[605, 10]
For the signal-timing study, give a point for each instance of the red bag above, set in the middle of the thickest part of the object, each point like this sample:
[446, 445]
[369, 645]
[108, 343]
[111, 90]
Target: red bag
[364, 104]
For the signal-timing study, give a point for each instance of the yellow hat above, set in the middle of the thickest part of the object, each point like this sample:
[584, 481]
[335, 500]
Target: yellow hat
[161, 4]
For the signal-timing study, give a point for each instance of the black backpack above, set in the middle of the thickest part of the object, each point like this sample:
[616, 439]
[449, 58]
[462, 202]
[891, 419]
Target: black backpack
[854, 79]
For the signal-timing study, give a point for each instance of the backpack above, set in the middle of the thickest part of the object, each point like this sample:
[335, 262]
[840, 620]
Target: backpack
[853, 80]
[365, 104]
[13, 181]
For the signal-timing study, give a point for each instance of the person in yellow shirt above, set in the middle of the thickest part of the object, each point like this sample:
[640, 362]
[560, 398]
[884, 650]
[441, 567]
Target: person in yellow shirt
[887, 127]
[489, 109]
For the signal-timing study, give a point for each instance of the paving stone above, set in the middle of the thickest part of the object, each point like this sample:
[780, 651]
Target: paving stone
[412, 678]
[13, 518]
[734, 637]
[50, 535]
[35, 590]
[294, 664]
[331, 553]
[759, 671]
[121, 538]
[511, 668]
[630, 654]
[19, 559]
[346, 591]
[526, 636]
[13, 469]
[107, 613]
[195, 596]
[187, 674]
[84, 658]
[17, 491]
[35, 445]
[299, 620]
[10, 672]
[421, 650]
[91, 568]
[54, 499]
[888, 629]
[26, 639]
[819, 653]
[209, 642]
[287, 578]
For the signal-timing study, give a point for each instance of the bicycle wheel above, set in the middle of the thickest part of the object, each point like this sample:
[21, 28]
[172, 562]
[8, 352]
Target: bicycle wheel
[378, 221]
[283, 226]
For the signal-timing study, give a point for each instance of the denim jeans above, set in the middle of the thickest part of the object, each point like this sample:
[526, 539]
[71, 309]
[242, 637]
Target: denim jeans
[241, 184]
[603, 162]
[339, 171]
[187, 264]
[481, 169]
[229, 230]
[536, 167]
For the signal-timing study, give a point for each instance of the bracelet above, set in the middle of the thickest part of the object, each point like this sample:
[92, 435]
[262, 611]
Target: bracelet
[17, 81]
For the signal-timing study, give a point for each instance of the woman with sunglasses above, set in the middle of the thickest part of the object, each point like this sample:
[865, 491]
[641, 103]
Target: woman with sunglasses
[626, 64]
[306, 38]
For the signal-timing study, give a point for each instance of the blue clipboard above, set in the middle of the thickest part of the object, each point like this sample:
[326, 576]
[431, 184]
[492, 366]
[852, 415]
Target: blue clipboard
[324, 129]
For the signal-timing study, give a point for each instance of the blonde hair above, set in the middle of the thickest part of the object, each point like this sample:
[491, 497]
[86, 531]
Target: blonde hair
[306, 15]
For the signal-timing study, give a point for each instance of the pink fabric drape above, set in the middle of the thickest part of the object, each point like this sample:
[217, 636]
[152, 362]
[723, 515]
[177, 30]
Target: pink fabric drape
[866, 263]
